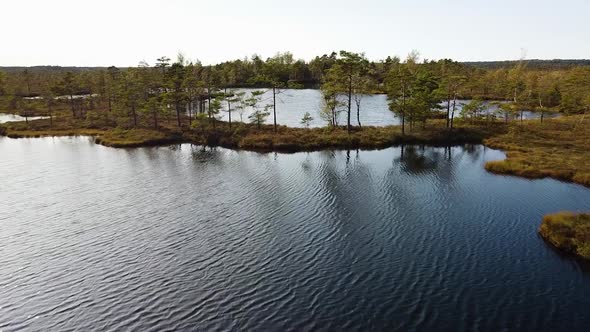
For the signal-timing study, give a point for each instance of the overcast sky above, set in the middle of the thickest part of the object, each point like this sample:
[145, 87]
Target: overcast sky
[124, 32]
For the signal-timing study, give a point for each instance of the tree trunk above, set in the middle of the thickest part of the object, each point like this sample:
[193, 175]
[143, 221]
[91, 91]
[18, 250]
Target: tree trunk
[190, 111]
[72, 106]
[448, 110]
[228, 108]
[358, 112]
[542, 108]
[334, 120]
[274, 106]
[404, 112]
[209, 96]
[177, 104]
[453, 112]
[349, 100]
[403, 124]
[134, 115]
[50, 111]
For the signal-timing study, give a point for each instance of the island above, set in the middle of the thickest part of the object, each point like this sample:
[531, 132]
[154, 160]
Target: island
[569, 232]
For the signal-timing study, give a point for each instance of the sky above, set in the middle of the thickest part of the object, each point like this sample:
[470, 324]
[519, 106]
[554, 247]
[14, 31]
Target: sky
[125, 32]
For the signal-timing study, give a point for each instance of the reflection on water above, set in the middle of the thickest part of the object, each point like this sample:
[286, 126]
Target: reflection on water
[193, 238]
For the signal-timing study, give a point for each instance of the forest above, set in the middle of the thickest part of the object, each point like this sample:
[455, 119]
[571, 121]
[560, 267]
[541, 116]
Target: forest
[415, 88]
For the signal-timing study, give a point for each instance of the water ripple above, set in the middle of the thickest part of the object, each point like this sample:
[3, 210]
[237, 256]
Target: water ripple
[192, 238]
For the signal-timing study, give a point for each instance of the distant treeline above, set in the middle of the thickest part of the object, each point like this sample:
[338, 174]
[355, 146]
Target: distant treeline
[555, 64]
[47, 69]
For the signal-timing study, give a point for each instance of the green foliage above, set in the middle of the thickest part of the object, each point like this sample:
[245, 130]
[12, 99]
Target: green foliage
[348, 75]
[530, 86]
[215, 108]
[306, 120]
[412, 91]
[259, 113]
[472, 110]
[399, 84]
[507, 110]
[331, 91]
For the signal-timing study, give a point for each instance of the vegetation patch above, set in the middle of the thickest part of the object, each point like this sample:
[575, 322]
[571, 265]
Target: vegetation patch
[121, 138]
[568, 231]
[559, 148]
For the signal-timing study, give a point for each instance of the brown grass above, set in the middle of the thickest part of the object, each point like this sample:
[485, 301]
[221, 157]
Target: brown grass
[568, 231]
[557, 148]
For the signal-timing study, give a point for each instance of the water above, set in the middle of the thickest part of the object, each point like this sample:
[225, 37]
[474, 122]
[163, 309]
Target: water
[7, 117]
[293, 103]
[186, 238]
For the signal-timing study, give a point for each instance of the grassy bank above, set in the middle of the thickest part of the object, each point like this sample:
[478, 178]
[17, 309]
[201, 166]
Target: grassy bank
[558, 148]
[288, 139]
[568, 231]
[249, 136]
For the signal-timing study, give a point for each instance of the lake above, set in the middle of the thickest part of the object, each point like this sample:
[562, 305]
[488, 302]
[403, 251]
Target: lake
[192, 238]
[293, 103]
[7, 117]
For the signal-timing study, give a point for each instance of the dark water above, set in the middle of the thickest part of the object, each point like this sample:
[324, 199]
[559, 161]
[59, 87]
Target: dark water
[181, 238]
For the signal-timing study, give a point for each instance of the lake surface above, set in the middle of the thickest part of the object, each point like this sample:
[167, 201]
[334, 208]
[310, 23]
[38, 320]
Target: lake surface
[293, 103]
[7, 117]
[185, 238]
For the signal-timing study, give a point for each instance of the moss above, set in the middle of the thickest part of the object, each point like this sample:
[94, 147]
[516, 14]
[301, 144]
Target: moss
[568, 231]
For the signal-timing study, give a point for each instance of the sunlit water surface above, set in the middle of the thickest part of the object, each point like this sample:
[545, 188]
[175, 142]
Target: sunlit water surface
[7, 117]
[185, 238]
[292, 104]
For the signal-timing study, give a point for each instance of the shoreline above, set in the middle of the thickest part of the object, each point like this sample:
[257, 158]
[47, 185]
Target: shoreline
[529, 154]
[286, 140]
[568, 232]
